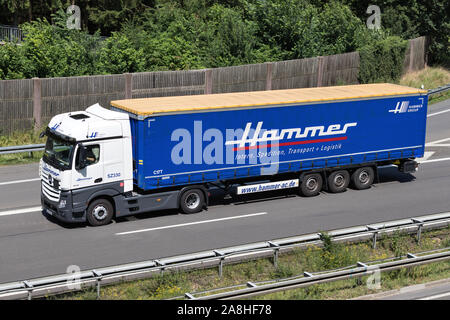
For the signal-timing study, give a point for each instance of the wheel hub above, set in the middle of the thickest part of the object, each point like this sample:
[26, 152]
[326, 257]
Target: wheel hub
[363, 177]
[100, 212]
[192, 201]
[311, 184]
[339, 180]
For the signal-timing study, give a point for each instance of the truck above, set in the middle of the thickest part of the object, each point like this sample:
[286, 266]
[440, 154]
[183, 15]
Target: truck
[158, 153]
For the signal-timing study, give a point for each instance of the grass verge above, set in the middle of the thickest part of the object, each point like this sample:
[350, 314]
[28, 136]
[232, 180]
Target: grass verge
[311, 259]
[430, 78]
[18, 139]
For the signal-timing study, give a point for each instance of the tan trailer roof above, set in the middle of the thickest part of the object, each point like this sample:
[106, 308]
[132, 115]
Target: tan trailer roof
[150, 106]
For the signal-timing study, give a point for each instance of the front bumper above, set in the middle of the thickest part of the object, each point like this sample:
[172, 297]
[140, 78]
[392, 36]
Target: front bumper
[409, 166]
[66, 213]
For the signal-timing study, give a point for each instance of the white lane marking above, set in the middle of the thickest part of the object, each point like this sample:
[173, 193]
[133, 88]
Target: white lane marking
[18, 181]
[192, 223]
[436, 113]
[19, 211]
[426, 156]
[436, 296]
[437, 143]
[435, 160]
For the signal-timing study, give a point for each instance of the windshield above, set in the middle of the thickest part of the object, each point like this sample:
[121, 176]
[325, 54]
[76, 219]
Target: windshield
[58, 153]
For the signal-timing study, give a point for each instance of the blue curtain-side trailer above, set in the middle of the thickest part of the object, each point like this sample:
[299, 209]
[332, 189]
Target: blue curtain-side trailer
[248, 142]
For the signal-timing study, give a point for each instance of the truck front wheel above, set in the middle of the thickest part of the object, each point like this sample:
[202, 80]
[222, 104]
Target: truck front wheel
[192, 201]
[99, 212]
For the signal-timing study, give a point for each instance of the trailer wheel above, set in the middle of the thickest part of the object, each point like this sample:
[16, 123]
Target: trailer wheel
[311, 185]
[99, 212]
[338, 181]
[362, 178]
[192, 201]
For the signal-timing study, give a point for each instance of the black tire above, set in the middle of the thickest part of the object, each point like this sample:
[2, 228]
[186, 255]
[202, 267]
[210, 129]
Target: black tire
[100, 212]
[311, 185]
[338, 181]
[362, 178]
[192, 201]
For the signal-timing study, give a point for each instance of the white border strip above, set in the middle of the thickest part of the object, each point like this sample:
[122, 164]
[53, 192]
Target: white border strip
[436, 113]
[19, 211]
[191, 223]
[437, 296]
[18, 181]
[272, 163]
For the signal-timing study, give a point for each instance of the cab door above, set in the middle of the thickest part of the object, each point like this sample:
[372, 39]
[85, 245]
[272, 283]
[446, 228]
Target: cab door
[92, 174]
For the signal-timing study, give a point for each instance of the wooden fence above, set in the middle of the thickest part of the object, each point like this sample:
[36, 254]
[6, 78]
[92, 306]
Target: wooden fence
[30, 103]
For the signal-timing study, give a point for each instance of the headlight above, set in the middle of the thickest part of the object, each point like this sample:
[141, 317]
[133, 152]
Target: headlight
[62, 203]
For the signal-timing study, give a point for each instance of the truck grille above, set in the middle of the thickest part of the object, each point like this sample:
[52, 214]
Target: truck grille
[48, 190]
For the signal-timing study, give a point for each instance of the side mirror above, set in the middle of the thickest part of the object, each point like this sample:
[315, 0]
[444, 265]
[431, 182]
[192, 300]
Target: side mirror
[81, 160]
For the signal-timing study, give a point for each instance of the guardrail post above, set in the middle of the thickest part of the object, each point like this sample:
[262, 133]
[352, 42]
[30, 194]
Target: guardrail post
[98, 277]
[419, 228]
[276, 250]
[222, 258]
[375, 234]
[361, 265]
[307, 274]
[162, 266]
[189, 296]
[29, 288]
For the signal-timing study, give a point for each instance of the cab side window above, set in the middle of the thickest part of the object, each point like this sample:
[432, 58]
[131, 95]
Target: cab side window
[92, 154]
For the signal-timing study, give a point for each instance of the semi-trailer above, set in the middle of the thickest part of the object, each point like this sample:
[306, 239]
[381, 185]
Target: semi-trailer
[159, 153]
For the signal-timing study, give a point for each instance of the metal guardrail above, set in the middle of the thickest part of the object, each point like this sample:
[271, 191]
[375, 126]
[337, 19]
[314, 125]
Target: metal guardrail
[358, 270]
[211, 258]
[439, 89]
[26, 148]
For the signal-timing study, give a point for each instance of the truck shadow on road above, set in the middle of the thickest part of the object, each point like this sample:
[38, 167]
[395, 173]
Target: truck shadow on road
[218, 197]
[391, 174]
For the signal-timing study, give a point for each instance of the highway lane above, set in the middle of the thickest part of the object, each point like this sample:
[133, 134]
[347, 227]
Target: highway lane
[423, 292]
[11, 195]
[33, 245]
[438, 126]
[45, 248]
[435, 290]
[19, 195]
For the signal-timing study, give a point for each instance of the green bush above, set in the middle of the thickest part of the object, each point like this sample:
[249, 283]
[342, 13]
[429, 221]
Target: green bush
[382, 60]
[302, 30]
[12, 62]
[118, 55]
[194, 34]
[411, 19]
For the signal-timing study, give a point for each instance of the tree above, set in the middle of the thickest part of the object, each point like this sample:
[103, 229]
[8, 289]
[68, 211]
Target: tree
[118, 55]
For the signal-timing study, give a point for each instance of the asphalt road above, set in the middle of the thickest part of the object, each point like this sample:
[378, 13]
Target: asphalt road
[436, 290]
[422, 292]
[33, 245]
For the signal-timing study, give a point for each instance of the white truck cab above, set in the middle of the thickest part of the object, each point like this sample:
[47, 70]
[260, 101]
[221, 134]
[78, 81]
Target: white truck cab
[86, 151]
